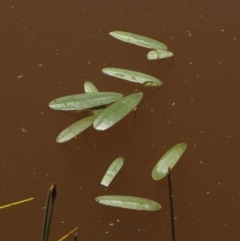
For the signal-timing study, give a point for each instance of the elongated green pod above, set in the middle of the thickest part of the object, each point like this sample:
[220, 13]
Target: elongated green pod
[115, 112]
[75, 129]
[159, 54]
[132, 76]
[89, 87]
[112, 171]
[168, 160]
[84, 101]
[138, 40]
[129, 202]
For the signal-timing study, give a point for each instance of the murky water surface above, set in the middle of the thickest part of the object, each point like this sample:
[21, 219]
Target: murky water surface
[50, 48]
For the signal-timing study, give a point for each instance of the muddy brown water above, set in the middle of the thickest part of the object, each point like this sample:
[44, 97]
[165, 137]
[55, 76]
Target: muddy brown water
[50, 48]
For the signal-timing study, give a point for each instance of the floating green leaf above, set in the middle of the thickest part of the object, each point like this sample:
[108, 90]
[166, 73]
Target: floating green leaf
[168, 160]
[84, 101]
[159, 54]
[116, 111]
[136, 203]
[75, 129]
[112, 171]
[89, 87]
[132, 76]
[138, 40]
[147, 84]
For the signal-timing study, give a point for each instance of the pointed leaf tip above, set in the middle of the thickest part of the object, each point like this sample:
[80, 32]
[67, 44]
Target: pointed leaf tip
[89, 87]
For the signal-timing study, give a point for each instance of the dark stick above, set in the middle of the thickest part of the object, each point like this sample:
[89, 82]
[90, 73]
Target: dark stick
[75, 236]
[53, 194]
[46, 217]
[171, 203]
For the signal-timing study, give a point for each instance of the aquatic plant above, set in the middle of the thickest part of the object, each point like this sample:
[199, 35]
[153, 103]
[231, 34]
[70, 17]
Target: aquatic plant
[159, 49]
[51, 195]
[168, 160]
[84, 101]
[159, 54]
[108, 108]
[112, 171]
[117, 111]
[164, 167]
[133, 76]
[138, 40]
[135, 203]
[75, 129]
[102, 118]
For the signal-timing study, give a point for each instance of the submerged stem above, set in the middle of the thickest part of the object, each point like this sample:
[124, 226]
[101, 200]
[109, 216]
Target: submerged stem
[52, 193]
[75, 236]
[45, 217]
[171, 203]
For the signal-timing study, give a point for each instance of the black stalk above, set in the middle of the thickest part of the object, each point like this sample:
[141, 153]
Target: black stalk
[171, 203]
[52, 193]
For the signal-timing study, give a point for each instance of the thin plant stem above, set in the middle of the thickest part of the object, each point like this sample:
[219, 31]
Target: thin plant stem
[157, 89]
[168, 66]
[171, 203]
[16, 203]
[52, 193]
[45, 216]
[75, 236]
[156, 66]
[69, 233]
